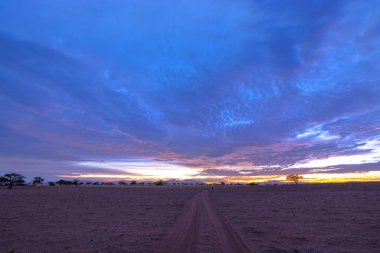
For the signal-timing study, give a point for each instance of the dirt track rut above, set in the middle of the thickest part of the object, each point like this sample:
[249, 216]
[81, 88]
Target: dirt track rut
[186, 236]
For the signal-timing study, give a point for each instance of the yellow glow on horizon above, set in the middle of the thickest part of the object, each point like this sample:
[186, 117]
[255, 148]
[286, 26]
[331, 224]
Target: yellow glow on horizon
[369, 176]
[342, 177]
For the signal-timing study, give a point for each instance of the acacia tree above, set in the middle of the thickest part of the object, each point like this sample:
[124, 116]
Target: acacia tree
[38, 180]
[3, 181]
[14, 178]
[294, 177]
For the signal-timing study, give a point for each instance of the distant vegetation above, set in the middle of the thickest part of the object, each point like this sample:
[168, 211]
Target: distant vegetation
[12, 179]
[65, 182]
[294, 178]
[38, 180]
[160, 182]
[3, 181]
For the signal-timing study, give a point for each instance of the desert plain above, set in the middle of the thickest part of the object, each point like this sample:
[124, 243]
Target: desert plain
[282, 218]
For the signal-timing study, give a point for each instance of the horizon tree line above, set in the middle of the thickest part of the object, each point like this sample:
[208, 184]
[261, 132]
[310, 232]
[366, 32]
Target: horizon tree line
[12, 179]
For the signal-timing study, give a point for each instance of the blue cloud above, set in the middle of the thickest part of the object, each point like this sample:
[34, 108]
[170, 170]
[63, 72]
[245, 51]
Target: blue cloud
[202, 83]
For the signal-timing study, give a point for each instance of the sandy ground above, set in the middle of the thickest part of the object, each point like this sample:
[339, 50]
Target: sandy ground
[89, 219]
[304, 218]
[291, 218]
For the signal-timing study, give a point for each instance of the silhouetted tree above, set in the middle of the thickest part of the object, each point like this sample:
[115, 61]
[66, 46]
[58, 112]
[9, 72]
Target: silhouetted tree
[38, 180]
[294, 177]
[252, 184]
[51, 184]
[133, 183]
[13, 179]
[3, 181]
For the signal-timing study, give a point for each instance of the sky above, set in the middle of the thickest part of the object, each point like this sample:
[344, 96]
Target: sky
[236, 91]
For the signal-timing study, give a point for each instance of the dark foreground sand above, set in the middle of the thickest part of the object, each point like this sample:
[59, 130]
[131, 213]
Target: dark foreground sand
[89, 219]
[291, 218]
[304, 218]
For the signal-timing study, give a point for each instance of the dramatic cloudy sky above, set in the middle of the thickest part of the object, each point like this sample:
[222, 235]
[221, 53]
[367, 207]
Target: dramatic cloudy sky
[213, 90]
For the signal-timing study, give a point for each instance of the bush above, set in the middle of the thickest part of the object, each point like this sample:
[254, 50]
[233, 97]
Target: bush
[160, 182]
[68, 182]
[51, 184]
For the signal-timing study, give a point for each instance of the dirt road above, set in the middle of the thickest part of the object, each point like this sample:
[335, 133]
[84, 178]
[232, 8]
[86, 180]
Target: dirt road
[203, 229]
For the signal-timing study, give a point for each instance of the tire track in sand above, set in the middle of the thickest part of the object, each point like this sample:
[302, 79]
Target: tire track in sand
[185, 237]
